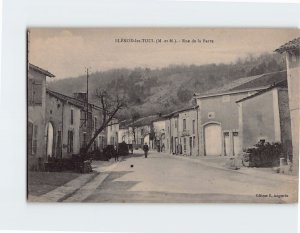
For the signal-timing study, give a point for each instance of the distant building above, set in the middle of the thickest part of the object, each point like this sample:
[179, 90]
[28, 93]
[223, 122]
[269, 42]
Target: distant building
[218, 121]
[70, 127]
[292, 51]
[182, 133]
[113, 132]
[265, 117]
[63, 120]
[159, 129]
[36, 121]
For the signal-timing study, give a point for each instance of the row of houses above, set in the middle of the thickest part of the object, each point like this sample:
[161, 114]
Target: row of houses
[58, 125]
[222, 121]
[226, 120]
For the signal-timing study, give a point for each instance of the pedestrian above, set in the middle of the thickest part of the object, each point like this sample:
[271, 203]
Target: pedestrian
[145, 149]
[116, 154]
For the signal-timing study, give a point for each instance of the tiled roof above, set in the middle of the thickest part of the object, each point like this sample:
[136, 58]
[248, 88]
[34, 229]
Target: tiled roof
[176, 113]
[145, 120]
[291, 45]
[71, 100]
[282, 84]
[40, 70]
[256, 82]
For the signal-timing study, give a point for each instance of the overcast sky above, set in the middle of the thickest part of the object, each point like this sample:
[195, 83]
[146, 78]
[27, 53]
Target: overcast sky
[66, 52]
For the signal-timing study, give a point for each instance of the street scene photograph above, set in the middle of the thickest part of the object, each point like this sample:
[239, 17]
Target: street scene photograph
[163, 115]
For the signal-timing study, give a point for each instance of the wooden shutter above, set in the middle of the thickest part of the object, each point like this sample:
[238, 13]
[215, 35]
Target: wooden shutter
[37, 92]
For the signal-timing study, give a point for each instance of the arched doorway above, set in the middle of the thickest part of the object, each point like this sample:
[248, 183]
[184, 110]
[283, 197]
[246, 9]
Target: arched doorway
[50, 136]
[213, 139]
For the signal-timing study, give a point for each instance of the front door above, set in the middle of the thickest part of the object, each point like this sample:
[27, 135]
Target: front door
[213, 140]
[226, 143]
[236, 143]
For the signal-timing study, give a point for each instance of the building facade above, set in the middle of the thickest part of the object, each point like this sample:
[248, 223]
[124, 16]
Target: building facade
[36, 121]
[218, 121]
[113, 132]
[292, 51]
[265, 117]
[188, 133]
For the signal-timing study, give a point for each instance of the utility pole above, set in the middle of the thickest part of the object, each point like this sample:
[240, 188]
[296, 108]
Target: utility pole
[87, 96]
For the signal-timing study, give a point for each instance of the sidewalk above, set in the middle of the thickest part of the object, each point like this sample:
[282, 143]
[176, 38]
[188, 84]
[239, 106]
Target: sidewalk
[78, 188]
[219, 163]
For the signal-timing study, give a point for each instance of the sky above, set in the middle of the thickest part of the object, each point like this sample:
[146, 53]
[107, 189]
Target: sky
[66, 52]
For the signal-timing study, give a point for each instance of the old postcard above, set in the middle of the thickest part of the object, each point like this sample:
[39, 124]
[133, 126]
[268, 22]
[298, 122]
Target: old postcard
[163, 115]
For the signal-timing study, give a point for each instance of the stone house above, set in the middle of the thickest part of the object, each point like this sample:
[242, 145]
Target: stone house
[159, 129]
[218, 121]
[113, 132]
[292, 52]
[187, 128]
[36, 118]
[181, 131]
[143, 130]
[265, 117]
[63, 120]
[91, 121]
[72, 127]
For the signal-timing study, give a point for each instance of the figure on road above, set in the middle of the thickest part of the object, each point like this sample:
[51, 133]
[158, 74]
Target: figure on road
[116, 154]
[145, 149]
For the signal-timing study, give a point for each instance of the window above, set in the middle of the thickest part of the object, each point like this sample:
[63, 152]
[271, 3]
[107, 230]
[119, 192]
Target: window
[37, 93]
[176, 123]
[184, 124]
[194, 141]
[142, 132]
[194, 124]
[70, 141]
[72, 117]
[184, 144]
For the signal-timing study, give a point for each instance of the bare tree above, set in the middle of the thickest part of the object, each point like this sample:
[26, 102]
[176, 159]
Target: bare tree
[110, 104]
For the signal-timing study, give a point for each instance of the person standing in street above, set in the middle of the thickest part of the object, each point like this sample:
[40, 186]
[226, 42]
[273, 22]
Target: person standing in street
[145, 149]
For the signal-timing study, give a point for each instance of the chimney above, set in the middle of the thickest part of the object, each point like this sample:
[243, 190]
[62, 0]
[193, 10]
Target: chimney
[80, 96]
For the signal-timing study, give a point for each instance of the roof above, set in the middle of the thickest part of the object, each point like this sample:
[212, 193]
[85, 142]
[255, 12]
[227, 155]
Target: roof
[252, 83]
[71, 100]
[176, 113]
[289, 46]
[40, 70]
[279, 84]
[144, 120]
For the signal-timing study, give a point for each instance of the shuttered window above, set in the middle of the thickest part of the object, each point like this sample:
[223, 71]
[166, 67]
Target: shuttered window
[70, 141]
[37, 92]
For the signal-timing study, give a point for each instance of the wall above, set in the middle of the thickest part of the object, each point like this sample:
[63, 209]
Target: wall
[58, 112]
[113, 132]
[285, 121]
[174, 134]
[293, 74]
[36, 116]
[257, 120]
[160, 135]
[189, 133]
[222, 110]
